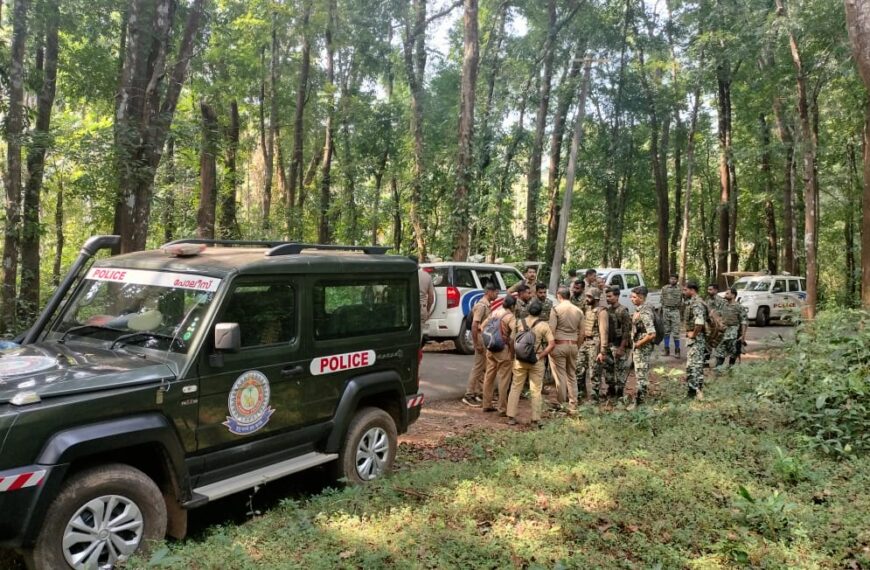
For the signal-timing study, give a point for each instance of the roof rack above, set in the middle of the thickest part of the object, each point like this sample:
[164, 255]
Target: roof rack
[297, 248]
[282, 247]
[227, 242]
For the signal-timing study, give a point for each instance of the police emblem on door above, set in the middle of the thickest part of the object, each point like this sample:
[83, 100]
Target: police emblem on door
[248, 403]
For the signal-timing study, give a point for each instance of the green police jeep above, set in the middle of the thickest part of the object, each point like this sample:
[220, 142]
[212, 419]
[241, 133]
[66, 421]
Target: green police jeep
[155, 382]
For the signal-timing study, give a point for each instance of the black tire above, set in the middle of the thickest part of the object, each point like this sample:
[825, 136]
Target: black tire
[372, 423]
[464, 343]
[762, 319]
[96, 483]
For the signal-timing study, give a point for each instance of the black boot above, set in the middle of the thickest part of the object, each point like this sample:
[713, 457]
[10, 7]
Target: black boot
[668, 351]
[677, 351]
[732, 361]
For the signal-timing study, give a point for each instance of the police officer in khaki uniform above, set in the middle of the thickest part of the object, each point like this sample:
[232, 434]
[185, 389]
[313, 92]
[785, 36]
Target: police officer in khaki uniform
[499, 364]
[566, 321]
[533, 372]
[593, 347]
[480, 311]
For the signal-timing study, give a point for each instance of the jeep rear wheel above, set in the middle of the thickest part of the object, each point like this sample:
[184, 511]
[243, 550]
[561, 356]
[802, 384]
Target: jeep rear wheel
[464, 343]
[101, 516]
[762, 319]
[369, 449]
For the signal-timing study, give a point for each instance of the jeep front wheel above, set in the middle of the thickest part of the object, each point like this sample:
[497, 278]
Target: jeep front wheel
[369, 448]
[101, 516]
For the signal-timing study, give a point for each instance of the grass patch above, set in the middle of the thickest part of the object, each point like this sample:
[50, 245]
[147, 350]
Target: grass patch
[716, 484]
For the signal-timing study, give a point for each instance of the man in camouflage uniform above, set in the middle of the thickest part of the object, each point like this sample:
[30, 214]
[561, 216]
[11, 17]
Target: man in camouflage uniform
[578, 289]
[643, 333]
[530, 279]
[546, 303]
[695, 318]
[736, 320]
[619, 343]
[717, 303]
[524, 297]
[672, 302]
[593, 346]
[480, 312]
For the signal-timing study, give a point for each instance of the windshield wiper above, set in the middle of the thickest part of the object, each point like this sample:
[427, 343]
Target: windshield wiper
[80, 328]
[147, 334]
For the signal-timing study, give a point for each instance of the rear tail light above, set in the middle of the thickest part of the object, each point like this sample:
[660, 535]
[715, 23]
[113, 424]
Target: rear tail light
[452, 297]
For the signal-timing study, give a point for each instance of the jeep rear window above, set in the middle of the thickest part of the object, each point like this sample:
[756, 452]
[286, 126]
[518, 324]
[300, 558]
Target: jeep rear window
[360, 307]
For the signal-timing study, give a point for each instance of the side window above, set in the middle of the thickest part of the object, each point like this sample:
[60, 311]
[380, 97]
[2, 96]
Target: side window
[487, 277]
[463, 278]
[779, 286]
[439, 276]
[794, 285]
[510, 278]
[616, 281]
[266, 313]
[632, 280]
[360, 307]
[803, 285]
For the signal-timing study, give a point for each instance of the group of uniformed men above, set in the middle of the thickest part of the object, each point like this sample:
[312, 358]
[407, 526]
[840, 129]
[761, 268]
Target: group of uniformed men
[589, 343]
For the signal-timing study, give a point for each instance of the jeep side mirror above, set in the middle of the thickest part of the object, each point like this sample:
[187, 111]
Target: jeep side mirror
[227, 337]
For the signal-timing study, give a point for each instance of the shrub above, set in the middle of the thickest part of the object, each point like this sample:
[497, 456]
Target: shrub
[823, 378]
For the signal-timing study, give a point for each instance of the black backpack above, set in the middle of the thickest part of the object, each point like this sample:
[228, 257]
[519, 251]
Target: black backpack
[492, 337]
[525, 345]
[660, 327]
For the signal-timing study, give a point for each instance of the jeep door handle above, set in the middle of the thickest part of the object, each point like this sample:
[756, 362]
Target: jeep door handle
[291, 371]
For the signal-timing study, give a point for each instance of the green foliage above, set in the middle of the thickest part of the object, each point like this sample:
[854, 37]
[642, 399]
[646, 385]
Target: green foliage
[768, 515]
[824, 381]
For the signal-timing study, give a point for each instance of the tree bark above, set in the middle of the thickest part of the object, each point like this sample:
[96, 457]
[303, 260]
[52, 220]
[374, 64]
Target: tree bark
[40, 141]
[769, 209]
[809, 141]
[145, 106]
[229, 224]
[397, 215]
[723, 81]
[205, 215]
[295, 176]
[59, 239]
[784, 132]
[324, 232]
[687, 200]
[534, 171]
[465, 153]
[576, 141]
[858, 24]
[271, 133]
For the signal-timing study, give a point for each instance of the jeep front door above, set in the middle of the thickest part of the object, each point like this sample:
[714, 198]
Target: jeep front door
[253, 392]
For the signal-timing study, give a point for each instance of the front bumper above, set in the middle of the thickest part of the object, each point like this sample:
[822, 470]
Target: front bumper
[414, 404]
[25, 494]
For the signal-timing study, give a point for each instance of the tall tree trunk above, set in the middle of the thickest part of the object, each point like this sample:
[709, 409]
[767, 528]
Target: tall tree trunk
[205, 215]
[784, 132]
[811, 190]
[147, 98]
[414, 51]
[324, 232]
[397, 215]
[534, 170]
[566, 95]
[229, 224]
[167, 216]
[576, 141]
[59, 238]
[294, 214]
[690, 167]
[465, 154]
[769, 209]
[271, 133]
[14, 131]
[723, 80]
[36, 152]
[732, 221]
[849, 229]
[858, 23]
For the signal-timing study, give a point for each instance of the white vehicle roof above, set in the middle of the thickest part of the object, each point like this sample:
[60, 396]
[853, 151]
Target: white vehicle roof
[609, 270]
[762, 277]
[469, 265]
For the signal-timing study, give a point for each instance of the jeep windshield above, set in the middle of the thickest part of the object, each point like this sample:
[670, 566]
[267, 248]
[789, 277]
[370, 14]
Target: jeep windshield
[150, 309]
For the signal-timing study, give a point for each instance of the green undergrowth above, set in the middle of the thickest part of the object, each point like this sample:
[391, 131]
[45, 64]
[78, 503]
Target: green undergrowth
[724, 483]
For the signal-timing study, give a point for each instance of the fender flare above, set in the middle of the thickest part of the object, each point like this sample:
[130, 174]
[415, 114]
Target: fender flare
[385, 382]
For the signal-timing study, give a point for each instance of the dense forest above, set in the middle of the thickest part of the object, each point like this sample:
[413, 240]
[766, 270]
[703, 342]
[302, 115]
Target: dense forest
[689, 136]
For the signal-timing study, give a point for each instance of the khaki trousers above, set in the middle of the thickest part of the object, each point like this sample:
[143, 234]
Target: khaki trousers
[563, 365]
[498, 373]
[478, 369]
[535, 374]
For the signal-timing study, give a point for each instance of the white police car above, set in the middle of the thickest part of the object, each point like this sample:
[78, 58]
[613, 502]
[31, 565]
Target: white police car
[769, 297]
[458, 286]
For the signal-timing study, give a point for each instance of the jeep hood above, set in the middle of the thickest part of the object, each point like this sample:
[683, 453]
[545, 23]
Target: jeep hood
[52, 369]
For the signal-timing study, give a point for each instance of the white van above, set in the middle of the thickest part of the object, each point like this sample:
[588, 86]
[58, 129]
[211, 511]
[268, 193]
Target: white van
[769, 297]
[458, 286]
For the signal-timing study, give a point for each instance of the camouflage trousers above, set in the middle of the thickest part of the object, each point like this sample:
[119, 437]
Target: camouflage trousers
[616, 372]
[671, 322]
[728, 347]
[590, 372]
[642, 359]
[695, 358]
